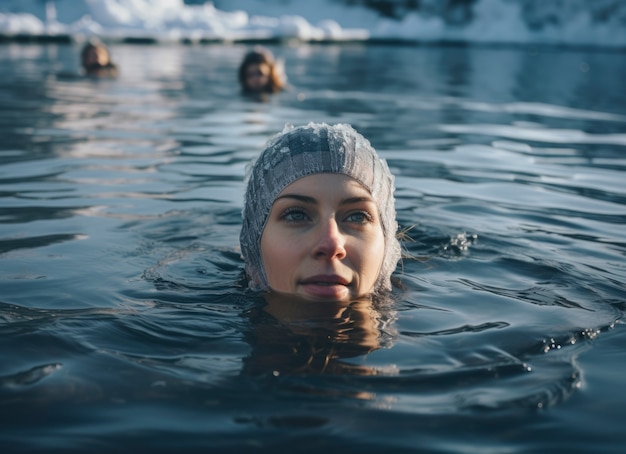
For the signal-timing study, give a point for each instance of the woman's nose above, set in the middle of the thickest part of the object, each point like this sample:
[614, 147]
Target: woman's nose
[331, 241]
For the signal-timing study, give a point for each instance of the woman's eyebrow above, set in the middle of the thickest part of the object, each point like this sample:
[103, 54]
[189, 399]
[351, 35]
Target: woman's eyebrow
[313, 200]
[300, 198]
[352, 200]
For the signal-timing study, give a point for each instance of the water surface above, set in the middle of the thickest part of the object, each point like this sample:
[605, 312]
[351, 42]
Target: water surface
[123, 318]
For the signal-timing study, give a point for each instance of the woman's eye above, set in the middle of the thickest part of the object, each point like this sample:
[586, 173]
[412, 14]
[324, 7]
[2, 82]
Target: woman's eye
[294, 215]
[359, 217]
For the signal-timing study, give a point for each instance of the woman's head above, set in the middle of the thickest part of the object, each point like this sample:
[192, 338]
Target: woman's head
[319, 216]
[260, 73]
[95, 55]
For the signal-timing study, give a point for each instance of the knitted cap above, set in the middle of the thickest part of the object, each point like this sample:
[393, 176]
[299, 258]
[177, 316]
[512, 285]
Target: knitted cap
[307, 150]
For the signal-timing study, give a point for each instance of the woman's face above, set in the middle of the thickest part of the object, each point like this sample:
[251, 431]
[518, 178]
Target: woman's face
[323, 239]
[96, 56]
[257, 76]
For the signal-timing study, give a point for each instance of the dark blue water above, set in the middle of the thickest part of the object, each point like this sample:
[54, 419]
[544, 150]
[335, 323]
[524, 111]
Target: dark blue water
[124, 324]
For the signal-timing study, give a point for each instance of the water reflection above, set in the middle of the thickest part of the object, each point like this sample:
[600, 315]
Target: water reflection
[291, 336]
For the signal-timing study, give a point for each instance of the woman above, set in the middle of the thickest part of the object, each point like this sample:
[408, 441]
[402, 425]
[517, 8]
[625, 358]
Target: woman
[319, 220]
[96, 60]
[260, 73]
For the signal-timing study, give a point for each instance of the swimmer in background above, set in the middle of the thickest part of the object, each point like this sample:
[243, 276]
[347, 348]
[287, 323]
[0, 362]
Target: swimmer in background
[96, 60]
[261, 74]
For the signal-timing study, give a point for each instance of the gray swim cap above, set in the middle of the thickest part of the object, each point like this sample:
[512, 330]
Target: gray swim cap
[308, 150]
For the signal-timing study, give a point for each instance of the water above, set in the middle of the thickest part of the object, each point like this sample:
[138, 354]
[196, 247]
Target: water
[123, 320]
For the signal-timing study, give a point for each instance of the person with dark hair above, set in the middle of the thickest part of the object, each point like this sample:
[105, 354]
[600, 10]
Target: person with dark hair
[261, 73]
[96, 60]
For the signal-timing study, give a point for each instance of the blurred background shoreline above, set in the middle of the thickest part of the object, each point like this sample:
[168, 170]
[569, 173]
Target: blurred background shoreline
[571, 23]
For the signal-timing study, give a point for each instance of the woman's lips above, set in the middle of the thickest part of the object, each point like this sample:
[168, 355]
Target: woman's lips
[325, 279]
[326, 286]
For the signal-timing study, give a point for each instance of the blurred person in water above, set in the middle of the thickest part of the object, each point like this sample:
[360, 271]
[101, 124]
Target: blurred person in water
[319, 218]
[96, 60]
[260, 73]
